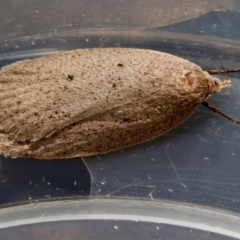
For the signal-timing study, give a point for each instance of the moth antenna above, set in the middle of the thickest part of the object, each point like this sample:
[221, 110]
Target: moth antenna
[218, 111]
[212, 72]
[225, 72]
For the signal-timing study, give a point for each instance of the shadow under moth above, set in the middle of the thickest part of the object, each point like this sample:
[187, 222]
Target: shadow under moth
[93, 101]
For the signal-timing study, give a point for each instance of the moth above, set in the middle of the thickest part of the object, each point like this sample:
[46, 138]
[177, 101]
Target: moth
[93, 101]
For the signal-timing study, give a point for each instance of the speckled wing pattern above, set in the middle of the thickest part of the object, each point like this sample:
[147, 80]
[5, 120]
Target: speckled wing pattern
[92, 101]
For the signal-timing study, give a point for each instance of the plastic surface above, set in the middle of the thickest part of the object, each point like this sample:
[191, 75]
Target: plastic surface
[195, 163]
[116, 219]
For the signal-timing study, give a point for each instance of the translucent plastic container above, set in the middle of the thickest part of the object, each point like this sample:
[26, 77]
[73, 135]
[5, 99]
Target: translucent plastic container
[184, 184]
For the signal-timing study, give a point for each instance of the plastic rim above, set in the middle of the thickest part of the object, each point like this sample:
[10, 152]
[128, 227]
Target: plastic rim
[194, 217]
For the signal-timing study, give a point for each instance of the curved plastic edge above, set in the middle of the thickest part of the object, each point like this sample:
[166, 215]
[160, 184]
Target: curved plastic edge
[193, 217]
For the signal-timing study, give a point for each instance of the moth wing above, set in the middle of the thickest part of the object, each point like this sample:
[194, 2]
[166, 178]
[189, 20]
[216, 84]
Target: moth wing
[42, 96]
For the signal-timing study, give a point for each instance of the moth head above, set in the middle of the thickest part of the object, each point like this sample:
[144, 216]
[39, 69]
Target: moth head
[214, 84]
[198, 81]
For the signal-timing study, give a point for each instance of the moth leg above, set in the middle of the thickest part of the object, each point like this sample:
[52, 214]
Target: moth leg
[218, 111]
[212, 72]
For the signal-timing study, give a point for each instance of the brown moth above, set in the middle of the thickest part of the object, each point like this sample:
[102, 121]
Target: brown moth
[93, 101]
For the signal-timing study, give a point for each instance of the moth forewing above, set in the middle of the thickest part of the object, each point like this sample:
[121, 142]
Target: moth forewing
[92, 101]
